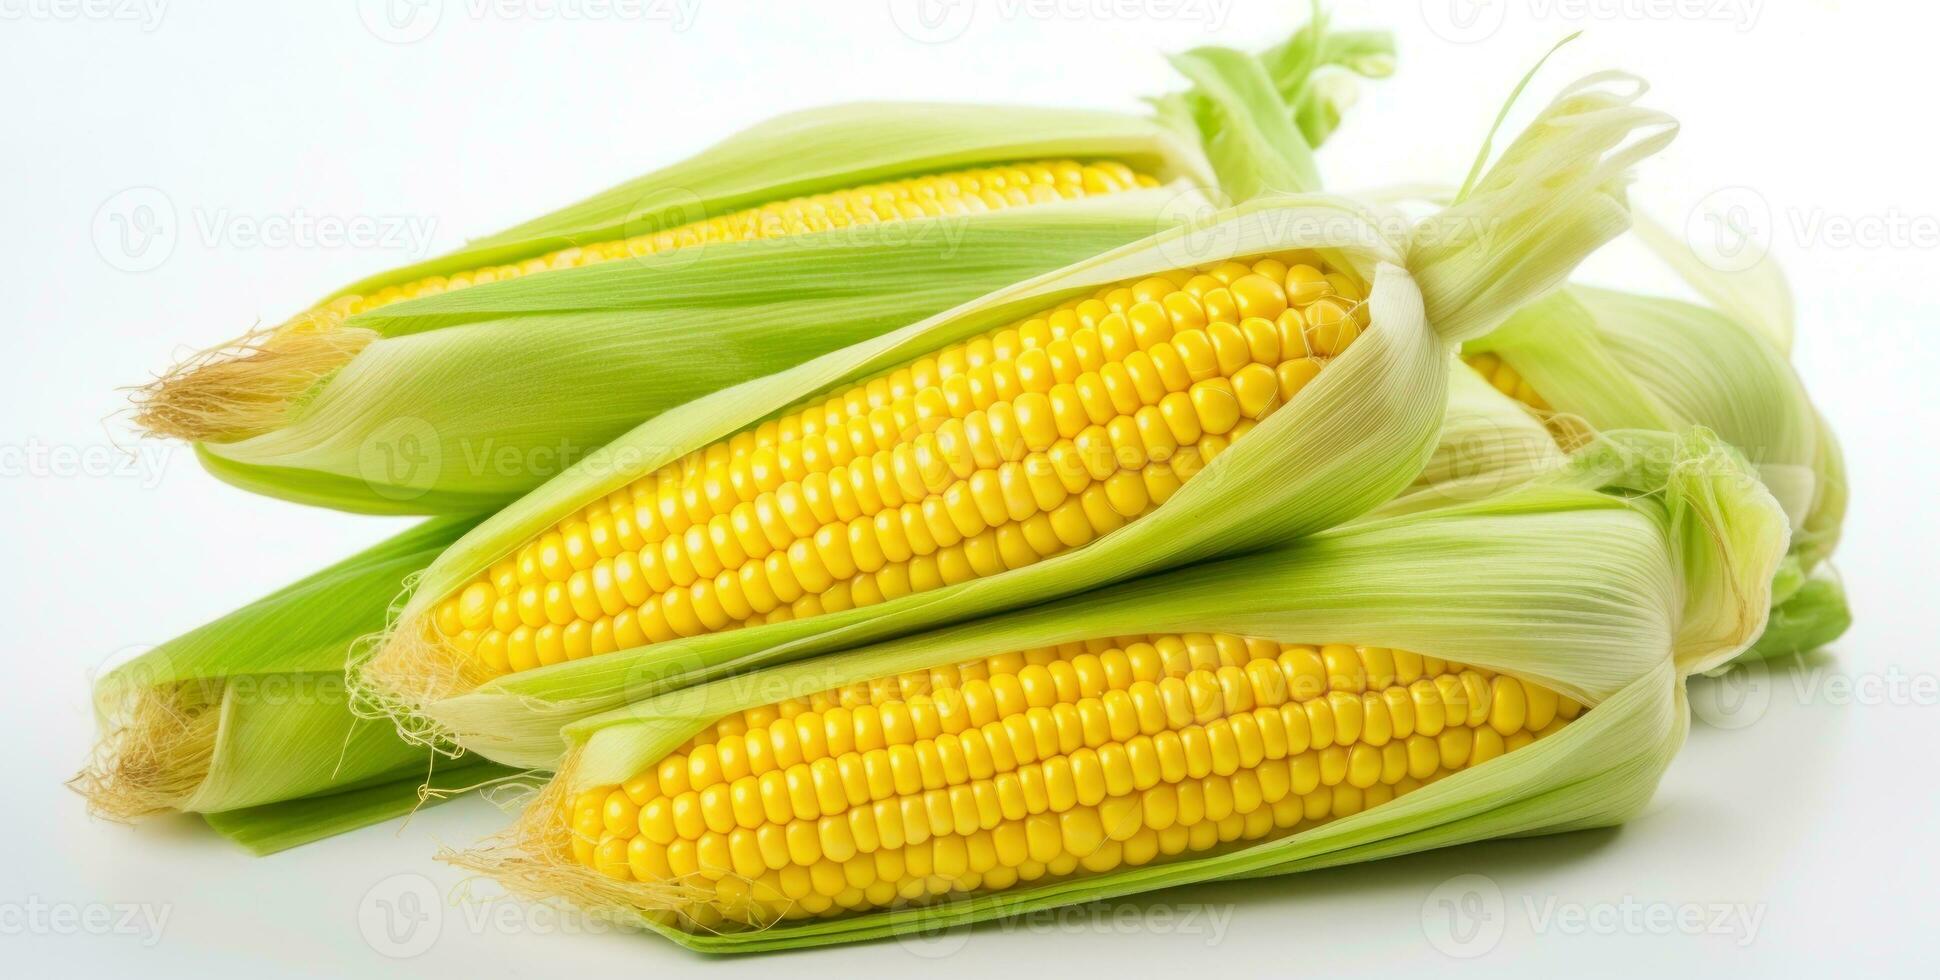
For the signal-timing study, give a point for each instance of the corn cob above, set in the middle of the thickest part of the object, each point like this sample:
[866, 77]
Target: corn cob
[804, 207]
[929, 782]
[1067, 451]
[996, 453]
[1086, 756]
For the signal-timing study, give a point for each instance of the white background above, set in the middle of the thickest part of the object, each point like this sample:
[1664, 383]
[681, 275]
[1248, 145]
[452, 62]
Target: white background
[1815, 819]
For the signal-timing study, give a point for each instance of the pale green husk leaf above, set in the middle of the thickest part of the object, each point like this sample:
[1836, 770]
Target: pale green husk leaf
[472, 397]
[268, 678]
[271, 827]
[1618, 360]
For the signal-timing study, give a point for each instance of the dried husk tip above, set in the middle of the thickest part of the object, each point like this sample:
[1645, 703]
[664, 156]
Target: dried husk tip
[251, 384]
[155, 750]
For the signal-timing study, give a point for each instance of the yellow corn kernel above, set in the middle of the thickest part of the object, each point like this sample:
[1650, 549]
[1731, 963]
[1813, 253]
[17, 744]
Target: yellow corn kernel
[1506, 379]
[1057, 761]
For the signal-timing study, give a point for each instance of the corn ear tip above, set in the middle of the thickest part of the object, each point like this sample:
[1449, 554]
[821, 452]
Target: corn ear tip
[248, 385]
[532, 859]
[156, 745]
[390, 676]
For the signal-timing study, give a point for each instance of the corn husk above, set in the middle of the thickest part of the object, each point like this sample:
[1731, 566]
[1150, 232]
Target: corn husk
[1351, 440]
[1646, 559]
[1611, 359]
[250, 711]
[1489, 443]
[460, 402]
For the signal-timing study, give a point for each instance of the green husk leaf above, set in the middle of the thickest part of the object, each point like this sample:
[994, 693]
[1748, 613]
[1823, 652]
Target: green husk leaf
[1818, 535]
[1759, 298]
[272, 827]
[817, 150]
[1482, 155]
[1811, 617]
[1618, 360]
[1489, 443]
[1501, 246]
[472, 397]
[251, 708]
[1590, 592]
[1351, 440]
[1253, 143]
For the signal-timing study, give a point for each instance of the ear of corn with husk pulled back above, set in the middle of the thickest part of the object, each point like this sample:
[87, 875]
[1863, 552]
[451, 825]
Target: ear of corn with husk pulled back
[1352, 730]
[250, 711]
[1347, 439]
[455, 384]
[1611, 359]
